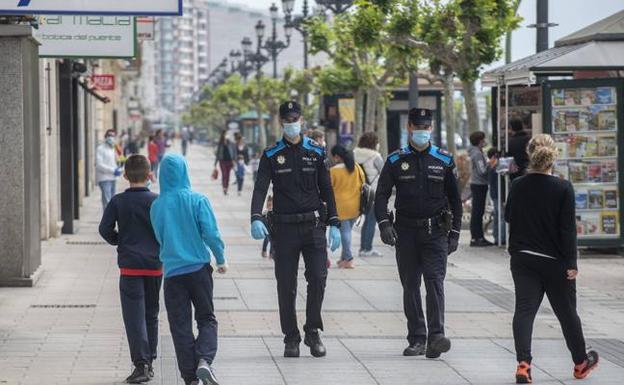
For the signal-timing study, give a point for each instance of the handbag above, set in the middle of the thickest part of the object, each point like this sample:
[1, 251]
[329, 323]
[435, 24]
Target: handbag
[215, 174]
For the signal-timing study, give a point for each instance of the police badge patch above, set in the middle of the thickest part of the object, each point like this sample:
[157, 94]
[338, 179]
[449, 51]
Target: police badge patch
[281, 159]
[405, 166]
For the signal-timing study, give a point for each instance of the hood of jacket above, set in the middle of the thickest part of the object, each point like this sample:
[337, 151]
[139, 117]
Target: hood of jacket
[362, 154]
[174, 174]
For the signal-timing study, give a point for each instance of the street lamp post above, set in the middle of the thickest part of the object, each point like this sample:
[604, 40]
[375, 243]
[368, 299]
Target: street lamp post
[336, 6]
[273, 46]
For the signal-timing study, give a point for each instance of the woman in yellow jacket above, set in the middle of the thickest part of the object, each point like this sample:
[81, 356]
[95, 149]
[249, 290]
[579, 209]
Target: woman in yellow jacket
[347, 179]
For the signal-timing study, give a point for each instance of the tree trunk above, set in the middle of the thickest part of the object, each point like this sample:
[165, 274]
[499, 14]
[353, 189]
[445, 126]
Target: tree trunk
[449, 111]
[262, 139]
[276, 130]
[372, 94]
[382, 124]
[359, 113]
[472, 109]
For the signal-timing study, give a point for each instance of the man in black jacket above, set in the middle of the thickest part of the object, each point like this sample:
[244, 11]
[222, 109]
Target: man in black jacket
[141, 269]
[518, 147]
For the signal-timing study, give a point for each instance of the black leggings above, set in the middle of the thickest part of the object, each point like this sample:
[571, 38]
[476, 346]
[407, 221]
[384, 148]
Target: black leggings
[533, 277]
[479, 196]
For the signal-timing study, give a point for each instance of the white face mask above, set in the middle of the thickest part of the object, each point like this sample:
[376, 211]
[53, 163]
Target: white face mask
[292, 130]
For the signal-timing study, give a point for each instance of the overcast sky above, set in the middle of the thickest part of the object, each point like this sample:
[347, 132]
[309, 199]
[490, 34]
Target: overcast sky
[571, 15]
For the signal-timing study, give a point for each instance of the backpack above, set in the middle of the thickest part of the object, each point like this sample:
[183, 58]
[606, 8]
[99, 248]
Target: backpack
[367, 195]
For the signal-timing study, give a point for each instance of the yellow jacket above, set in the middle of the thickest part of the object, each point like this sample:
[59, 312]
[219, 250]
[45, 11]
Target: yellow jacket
[347, 190]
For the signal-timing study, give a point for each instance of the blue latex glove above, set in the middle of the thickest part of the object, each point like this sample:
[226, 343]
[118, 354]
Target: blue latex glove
[258, 230]
[334, 238]
[118, 171]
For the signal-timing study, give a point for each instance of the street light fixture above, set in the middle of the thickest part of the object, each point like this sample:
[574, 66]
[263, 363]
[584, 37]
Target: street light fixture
[272, 45]
[336, 6]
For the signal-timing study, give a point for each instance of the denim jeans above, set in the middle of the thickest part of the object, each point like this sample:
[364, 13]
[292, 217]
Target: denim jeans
[108, 191]
[182, 294]
[368, 230]
[346, 228]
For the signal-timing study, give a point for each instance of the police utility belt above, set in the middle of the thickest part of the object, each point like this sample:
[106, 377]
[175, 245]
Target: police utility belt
[312, 216]
[442, 220]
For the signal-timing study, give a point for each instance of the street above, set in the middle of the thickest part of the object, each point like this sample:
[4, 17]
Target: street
[68, 329]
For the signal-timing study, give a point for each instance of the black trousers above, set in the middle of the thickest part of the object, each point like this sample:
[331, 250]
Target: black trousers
[419, 255]
[140, 308]
[182, 294]
[533, 277]
[289, 241]
[479, 196]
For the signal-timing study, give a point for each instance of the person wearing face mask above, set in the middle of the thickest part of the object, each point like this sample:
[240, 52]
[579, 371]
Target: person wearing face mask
[106, 169]
[426, 229]
[303, 207]
[478, 188]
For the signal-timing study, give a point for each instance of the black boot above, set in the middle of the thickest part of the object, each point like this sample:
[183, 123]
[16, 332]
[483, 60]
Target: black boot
[139, 375]
[437, 345]
[317, 349]
[417, 349]
[291, 350]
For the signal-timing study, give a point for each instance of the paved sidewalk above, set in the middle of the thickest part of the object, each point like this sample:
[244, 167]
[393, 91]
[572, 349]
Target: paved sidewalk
[68, 329]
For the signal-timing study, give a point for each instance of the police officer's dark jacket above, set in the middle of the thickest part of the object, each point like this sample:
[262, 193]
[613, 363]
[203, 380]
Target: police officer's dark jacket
[425, 185]
[301, 182]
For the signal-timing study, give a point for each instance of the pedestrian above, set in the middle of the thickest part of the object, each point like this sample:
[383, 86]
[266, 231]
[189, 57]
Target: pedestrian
[347, 179]
[185, 136]
[303, 207]
[540, 210]
[186, 229]
[106, 168]
[517, 148]
[319, 137]
[161, 142]
[153, 156]
[241, 147]
[225, 158]
[478, 188]
[255, 165]
[140, 269]
[267, 249]
[493, 177]
[241, 169]
[428, 221]
[368, 157]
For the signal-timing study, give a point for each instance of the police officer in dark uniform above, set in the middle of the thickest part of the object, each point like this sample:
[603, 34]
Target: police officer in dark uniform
[303, 207]
[425, 230]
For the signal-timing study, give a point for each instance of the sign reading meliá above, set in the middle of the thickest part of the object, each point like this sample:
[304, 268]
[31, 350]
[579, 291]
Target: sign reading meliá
[92, 7]
[86, 36]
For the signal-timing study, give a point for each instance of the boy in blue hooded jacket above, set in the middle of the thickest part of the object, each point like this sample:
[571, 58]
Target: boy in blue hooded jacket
[186, 229]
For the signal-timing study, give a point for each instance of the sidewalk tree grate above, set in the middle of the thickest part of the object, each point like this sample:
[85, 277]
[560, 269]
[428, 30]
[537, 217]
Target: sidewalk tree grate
[85, 243]
[56, 306]
[609, 348]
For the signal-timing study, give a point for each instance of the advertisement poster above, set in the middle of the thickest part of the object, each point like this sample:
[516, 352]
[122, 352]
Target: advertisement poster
[92, 7]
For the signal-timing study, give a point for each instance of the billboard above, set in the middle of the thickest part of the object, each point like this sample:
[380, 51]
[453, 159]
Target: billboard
[92, 7]
[78, 36]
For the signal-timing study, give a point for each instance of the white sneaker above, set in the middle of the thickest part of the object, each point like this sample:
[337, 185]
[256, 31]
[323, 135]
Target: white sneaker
[364, 254]
[206, 374]
[375, 253]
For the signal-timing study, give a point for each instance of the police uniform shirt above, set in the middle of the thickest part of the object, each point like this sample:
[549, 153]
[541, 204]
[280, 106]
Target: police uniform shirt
[425, 185]
[301, 182]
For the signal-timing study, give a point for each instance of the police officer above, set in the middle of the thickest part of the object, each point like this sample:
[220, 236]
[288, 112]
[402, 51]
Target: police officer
[426, 229]
[303, 206]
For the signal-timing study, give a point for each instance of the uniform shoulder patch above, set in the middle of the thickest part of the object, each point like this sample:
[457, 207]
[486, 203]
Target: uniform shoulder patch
[398, 154]
[270, 151]
[441, 154]
[310, 144]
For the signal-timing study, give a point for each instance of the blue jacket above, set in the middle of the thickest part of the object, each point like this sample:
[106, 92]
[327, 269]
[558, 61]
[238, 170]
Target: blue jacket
[183, 221]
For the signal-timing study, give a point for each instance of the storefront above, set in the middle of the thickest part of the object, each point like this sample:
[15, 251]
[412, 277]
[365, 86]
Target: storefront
[575, 92]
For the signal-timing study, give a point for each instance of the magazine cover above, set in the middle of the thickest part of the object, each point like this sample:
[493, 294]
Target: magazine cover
[558, 97]
[594, 173]
[607, 145]
[596, 199]
[585, 120]
[562, 147]
[609, 171]
[588, 96]
[588, 223]
[561, 170]
[578, 172]
[605, 95]
[572, 120]
[609, 222]
[591, 148]
[607, 120]
[580, 197]
[559, 123]
[572, 97]
[611, 199]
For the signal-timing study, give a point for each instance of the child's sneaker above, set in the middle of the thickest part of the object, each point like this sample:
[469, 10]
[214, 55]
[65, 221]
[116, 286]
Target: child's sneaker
[206, 374]
[582, 370]
[139, 375]
[523, 373]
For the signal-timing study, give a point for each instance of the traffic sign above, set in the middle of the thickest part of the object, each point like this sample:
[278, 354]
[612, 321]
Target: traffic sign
[92, 7]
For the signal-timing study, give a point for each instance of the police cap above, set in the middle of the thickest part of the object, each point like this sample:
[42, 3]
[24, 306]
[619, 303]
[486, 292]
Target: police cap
[420, 116]
[290, 109]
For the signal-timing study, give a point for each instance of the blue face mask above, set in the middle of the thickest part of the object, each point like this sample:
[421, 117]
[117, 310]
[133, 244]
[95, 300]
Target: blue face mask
[292, 130]
[421, 137]
[110, 140]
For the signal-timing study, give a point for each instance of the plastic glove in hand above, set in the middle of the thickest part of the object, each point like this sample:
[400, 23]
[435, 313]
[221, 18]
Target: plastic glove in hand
[258, 230]
[334, 238]
[118, 171]
[453, 242]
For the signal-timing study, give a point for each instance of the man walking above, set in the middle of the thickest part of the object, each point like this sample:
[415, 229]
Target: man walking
[428, 221]
[303, 206]
[106, 169]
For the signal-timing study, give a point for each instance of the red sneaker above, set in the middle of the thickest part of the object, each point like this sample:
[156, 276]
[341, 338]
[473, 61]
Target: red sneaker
[523, 373]
[583, 370]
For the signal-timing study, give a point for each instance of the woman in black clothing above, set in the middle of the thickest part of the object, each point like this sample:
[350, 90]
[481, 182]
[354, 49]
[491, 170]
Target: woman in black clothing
[541, 212]
[225, 158]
